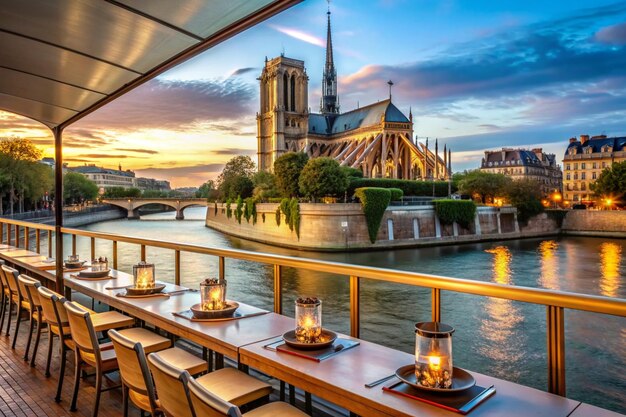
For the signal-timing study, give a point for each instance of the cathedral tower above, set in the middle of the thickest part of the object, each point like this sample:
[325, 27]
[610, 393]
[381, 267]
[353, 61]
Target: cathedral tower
[329, 102]
[282, 122]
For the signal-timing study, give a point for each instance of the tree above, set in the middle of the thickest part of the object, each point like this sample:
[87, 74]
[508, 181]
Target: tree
[483, 185]
[207, 190]
[611, 184]
[77, 188]
[236, 178]
[322, 177]
[526, 196]
[122, 192]
[264, 185]
[18, 157]
[287, 169]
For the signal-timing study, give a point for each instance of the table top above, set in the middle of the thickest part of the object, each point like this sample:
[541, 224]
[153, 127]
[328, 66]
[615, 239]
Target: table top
[587, 410]
[341, 380]
[225, 337]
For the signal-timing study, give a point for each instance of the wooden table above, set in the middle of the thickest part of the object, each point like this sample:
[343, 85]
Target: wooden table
[224, 337]
[341, 379]
[587, 410]
[28, 260]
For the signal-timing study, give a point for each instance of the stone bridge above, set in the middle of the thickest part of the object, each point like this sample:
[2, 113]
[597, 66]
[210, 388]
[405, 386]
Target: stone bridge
[133, 204]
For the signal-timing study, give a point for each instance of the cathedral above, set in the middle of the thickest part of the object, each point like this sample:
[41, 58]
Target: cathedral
[377, 139]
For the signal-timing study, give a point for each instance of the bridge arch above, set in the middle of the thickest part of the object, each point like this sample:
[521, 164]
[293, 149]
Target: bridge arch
[131, 205]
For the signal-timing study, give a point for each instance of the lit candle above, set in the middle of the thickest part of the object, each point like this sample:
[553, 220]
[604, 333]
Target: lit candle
[145, 278]
[215, 298]
[434, 362]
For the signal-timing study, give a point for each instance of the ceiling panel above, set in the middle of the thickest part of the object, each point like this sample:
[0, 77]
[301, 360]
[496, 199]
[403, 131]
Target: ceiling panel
[44, 113]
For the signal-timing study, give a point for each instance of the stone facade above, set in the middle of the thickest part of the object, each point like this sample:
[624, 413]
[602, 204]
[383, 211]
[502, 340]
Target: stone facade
[595, 223]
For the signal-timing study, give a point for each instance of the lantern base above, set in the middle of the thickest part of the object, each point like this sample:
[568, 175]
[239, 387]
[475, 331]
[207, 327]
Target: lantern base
[145, 291]
[324, 340]
[228, 311]
[461, 380]
[88, 273]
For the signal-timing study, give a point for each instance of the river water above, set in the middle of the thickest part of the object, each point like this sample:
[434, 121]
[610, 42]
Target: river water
[498, 337]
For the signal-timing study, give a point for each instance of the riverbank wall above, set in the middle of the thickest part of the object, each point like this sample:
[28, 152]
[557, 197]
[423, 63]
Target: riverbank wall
[83, 219]
[606, 223]
[342, 227]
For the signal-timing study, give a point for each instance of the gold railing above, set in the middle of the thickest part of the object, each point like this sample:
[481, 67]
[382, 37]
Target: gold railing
[554, 301]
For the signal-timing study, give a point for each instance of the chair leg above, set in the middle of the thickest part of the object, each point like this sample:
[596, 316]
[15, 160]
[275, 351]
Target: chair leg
[125, 399]
[49, 359]
[77, 369]
[61, 373]
[3, 307]
[31, 327]
[37, 338]
[17, 326]
[9, 316]
[96, 404]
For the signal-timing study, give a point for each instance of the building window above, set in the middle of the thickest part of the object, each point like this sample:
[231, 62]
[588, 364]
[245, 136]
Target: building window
[575, 197]
[567, 167]
[593, 176]
[582, 165]
[576, 166]
[595, 165]
[575, 175]
[583, 176]
[603, 165]
[567, 177]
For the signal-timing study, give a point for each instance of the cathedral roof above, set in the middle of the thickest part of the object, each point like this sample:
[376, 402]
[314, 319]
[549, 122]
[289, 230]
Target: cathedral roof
[371, 115]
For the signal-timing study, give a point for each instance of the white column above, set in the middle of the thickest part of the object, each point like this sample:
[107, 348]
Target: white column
[455, 229]
[390, 228]
[416, 229]
[477, 224]
[438, 226]
[499, 226]
[515, 223]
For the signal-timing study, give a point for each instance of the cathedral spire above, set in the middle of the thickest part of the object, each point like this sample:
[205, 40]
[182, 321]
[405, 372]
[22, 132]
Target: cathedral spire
[329, 79]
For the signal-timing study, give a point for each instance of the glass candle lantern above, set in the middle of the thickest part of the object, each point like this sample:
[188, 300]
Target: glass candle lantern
[433, 354]
[308, 320]
[73, 258]
[143, 275]
[213, 294]
[100, 264]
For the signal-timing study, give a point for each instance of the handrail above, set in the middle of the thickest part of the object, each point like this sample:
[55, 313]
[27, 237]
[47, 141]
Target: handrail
[555, 301]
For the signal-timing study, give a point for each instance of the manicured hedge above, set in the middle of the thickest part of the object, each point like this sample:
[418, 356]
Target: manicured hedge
[460, 211]
[558, 216]
[374, 202]
[294, 218]
[408, 187]
[229, 210]
[396, 194]
[250, 209]
[239, 209]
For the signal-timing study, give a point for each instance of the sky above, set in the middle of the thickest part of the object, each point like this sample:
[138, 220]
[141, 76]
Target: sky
[477, 75]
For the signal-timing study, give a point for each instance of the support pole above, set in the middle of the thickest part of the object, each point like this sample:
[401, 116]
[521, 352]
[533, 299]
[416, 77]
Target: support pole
[58, 205]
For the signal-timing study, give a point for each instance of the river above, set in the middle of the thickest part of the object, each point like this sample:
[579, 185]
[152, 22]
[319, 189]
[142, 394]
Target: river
[493, 336]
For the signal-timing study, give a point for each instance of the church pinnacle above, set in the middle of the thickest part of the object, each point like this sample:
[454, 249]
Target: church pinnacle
[329, 80]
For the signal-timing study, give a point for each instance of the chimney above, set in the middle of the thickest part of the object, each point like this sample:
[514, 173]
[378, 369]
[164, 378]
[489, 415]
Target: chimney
[572, 140]
[584, 139]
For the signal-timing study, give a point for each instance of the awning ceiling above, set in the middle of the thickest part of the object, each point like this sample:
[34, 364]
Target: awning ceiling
[61, 59]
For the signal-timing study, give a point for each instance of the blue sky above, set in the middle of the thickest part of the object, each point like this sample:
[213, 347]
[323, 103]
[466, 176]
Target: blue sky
[477, 74]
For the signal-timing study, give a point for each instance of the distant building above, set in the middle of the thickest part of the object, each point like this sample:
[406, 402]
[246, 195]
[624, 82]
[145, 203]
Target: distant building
[583, 162]
[47, 161]
[525, 164]
[152, 184]
[107, 178]
[186, 191]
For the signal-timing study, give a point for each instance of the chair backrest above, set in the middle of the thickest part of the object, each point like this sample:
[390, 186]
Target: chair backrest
[206, 404]
[83, 333]
[3, 278]
[11, 274]
[133, 366]
[28, 287]
[53, 311]
[171, 386]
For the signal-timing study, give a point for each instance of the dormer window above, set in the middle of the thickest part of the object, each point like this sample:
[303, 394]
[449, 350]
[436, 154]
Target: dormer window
[607, 148]
[572, 151]
[588, 149]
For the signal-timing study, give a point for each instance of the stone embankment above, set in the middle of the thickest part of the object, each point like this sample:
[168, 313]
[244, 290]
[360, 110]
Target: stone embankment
[608, 223]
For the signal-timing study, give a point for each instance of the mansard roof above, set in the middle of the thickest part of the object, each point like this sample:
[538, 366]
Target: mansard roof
[92, 169]
[521, 157]
[330, 124]
[595, 145]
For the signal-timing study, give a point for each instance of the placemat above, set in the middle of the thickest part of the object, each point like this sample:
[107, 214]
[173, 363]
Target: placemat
[90, 278]
[461, 403]
[338, 346]
[239, 314]
[158, 294]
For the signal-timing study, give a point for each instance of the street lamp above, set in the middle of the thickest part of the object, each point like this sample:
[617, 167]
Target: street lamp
[608, 202]
[556, 197]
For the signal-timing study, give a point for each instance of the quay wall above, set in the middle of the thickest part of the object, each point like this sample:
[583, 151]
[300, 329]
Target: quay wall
[607, 223]
[83, 219]
[341, 227]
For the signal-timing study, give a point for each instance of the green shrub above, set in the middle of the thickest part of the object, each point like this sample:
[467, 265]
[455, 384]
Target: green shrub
[275, 200]
[408, 187]
[322, 177]
[287, 169]
[278, 216]
[460, 211]
[527, 209]
[558, 216]
[294, 218]
[352, 172]
[374, 202]
[216, 208]
[250, 209]
[396, 194]
[526, 196]
[285, 208]
[229, 210]
[239, 209]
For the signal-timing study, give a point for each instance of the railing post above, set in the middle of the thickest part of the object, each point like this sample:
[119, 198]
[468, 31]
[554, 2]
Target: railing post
[436, 304]
[27, 238]
[278, 290]
[355, 306]
[555, 324]
[17, 236]
[49, 243]
[143, 253]
[73, 244]
[9, 234]
[93, 248]
[1, 232]
[115, 254]
[38, 240]
[221, 268]
[177, 267]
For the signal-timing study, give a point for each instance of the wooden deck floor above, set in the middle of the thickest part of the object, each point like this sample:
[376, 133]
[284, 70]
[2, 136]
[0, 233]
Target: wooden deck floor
[26, 392]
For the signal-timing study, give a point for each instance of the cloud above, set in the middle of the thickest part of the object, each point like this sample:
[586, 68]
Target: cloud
[174, 105]
[612, 35]
[191, 169]
[107, 156]
[242, 71]
[186, 175]
[148, 151]
[300, 35]
[235, 151]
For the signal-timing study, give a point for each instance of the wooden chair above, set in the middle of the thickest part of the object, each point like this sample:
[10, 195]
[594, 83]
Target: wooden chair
[17, 298]
[5, 297]
[171, 384]
[206, 404]
[87, 349]
[28, 287]
[137, 382]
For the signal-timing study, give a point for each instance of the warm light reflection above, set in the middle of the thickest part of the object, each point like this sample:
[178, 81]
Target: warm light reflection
[610, 262]
[501, 342]
[549, 264]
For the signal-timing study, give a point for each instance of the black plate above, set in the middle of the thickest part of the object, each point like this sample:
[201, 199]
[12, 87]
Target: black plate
[88, 273]
[199, 313]
[145, 291]
[461, 379]
[327, 338]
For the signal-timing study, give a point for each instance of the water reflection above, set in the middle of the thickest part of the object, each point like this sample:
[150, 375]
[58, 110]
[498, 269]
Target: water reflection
[502, 344]
[549, 264]
[610, 260]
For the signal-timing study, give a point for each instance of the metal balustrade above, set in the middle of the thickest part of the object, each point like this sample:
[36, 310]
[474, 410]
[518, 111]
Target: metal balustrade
[554, 301]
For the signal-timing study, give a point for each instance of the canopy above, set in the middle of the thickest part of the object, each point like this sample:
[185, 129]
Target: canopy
[62, 59]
